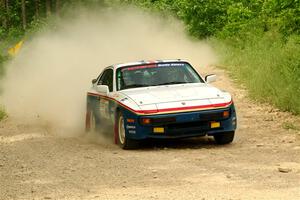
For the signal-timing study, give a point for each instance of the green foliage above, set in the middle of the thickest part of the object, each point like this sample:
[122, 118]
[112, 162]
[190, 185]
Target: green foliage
[2, 113]
[289, 125]
[267, 65]
[2, 60]
[11, 29]
[241, 18]
[226, 18]
[203, 18]
[284, 14]
[258, 39]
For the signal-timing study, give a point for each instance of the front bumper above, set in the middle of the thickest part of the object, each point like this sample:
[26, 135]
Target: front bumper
[187, 124]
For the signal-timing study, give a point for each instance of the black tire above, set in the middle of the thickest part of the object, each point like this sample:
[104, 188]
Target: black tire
[122, 140]
[224, 138]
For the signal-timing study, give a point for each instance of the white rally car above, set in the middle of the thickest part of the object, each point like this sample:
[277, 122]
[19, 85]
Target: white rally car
[159, 99]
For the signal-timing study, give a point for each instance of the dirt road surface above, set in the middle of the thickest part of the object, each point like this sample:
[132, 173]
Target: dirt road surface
[263, 162]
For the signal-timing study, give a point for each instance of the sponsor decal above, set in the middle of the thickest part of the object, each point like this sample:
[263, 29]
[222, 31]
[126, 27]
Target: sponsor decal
[130, 127]
[132, 131]
[138, 67]
[151, 66]
[170, 64]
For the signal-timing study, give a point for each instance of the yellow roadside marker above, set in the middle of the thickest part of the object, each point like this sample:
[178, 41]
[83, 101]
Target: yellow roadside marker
[15, 50]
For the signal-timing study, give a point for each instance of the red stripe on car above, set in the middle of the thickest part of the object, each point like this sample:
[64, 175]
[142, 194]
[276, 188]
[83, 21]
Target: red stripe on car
[158, 111]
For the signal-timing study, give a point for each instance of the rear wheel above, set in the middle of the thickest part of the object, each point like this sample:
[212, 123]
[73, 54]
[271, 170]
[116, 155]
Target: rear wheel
[224, 138]
[122, 140]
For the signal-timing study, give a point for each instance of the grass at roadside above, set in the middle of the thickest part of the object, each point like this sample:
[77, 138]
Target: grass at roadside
[267, 65]
[290, 125]
[2, 113]
[2, 61]
[258, 42]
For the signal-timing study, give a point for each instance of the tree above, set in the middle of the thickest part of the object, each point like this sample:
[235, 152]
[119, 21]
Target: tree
[23, 14]
[5, 10]
[57, 7]
[48, 7]
[37, 8]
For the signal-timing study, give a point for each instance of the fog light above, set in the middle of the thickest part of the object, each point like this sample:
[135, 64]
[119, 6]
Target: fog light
[158, 130]
[145, 121]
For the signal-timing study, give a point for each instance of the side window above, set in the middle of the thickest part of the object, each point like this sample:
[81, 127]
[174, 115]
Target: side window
[107, 79]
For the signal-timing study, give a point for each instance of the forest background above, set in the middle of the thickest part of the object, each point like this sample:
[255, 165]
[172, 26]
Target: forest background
[257, 41]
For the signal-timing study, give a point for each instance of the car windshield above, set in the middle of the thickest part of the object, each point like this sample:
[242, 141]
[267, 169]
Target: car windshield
[156, 74]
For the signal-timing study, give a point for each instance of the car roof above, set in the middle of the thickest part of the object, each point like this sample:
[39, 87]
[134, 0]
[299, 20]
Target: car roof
[142, 62]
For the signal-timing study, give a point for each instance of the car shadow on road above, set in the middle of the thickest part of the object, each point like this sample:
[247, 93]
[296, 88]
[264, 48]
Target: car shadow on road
[189, 143]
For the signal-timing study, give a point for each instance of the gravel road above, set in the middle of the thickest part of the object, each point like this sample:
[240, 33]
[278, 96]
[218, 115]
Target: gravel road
[263, 162]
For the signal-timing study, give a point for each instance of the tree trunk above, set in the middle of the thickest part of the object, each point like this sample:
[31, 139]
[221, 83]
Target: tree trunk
[48, 7]
[2, 10]
[4, 5]
[57, 7]
[23, 14]
[37, 8]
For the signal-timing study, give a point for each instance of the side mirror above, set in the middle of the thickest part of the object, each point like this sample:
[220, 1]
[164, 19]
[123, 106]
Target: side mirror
[103, 89]
[94, 81]
[210, 78]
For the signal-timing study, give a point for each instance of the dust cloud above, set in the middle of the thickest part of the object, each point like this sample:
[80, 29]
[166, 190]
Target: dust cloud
[47, 82]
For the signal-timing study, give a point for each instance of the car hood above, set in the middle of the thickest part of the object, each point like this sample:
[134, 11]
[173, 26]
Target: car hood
[176, 95]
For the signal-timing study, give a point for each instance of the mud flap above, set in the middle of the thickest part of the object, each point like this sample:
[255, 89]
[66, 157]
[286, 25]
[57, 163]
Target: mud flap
[88, 121]
[116, 131]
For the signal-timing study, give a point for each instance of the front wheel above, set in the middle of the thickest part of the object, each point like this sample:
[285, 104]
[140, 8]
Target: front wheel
[122, 140]
[224, 138]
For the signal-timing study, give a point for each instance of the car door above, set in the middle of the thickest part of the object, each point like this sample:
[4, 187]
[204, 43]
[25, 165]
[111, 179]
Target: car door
[104, 101]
